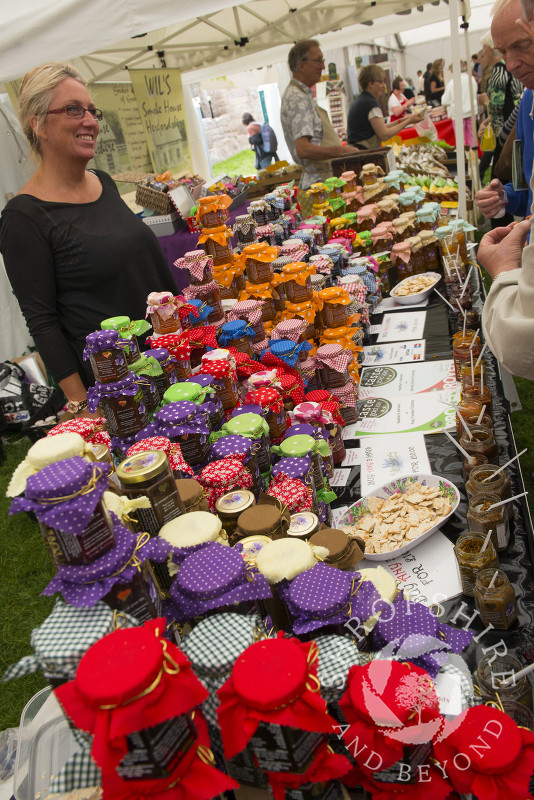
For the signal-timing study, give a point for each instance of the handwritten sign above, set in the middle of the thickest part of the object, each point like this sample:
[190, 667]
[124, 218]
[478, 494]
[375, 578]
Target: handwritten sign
[160, 99]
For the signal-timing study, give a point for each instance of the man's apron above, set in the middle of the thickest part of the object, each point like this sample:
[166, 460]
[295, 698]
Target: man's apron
[329, 139]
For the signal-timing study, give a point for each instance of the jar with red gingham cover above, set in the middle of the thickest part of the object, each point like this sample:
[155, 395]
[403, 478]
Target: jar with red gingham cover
[250, 311]
[270, 399]
[333, 365]
[221, 477]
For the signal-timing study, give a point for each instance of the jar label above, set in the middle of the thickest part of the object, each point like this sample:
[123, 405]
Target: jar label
[283, 749]
[108, 366]
[126, 414]
[155, 752]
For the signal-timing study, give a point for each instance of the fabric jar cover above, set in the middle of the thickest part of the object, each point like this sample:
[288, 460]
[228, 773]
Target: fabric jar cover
[264, 377]
[180, 418]
[305, 429]
[244, 224]
[213, 577]
[346, 395]
[310, 412]
[328, 402]
[344, 552]
[289, 329]
[173, 342]
[187, 391]
[418, 626]
[125, 326]
[295, 467]
[269, 517]
[322, 263]
[212, 202]
[100, 391]
[235, 329]
[103, 340]
[320, 597]
[61, 640]
[83, 586]
[294, 494]
[195, 262]
[284, 691]
[114, 694]
[266, 397]
[246, 309]
[288, 351]
[219, 368]
[92, 430]
[64, 495]
[232, 445]
[171, 449]
[213, 647]
[200, 311]
[199, 337]
[248, 408]
[334, 357]
[245, 366]
[402, 251]
[220, 477]
[297, 271]
[337, 654]
[162, 302]
[196, 292]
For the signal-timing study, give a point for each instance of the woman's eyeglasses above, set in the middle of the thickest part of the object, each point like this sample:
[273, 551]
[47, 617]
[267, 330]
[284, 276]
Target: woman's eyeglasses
[77, 111]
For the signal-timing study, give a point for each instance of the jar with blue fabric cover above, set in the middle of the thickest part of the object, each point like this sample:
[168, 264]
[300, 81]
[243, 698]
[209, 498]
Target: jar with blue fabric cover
[199, 321]
[252, 426]
[212, 402]
[288, 351]
[129, 330]
[183, 422]
[238, 334]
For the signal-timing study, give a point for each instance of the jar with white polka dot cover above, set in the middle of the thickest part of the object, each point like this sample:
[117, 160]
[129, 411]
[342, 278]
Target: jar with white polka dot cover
[183, 422]
[148, 474]
[66, 497]
[122, 404]
[106, 352]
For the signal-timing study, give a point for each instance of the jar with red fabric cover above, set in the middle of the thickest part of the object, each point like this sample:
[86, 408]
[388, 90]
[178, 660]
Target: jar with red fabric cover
[269, 398]
[223, 476]
[401, 257]
[333, 363]
[225, 378]
[258, 260]
[198, 265]
[217, 243]
[235, 445]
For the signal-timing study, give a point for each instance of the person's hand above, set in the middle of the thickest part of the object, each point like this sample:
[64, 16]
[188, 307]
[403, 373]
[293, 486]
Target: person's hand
[349, 149]
[501, 249]
[491, 199]
[483, 99]
[482, 127]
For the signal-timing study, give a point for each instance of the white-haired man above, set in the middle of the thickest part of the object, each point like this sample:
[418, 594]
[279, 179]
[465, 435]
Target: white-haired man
[508, 317]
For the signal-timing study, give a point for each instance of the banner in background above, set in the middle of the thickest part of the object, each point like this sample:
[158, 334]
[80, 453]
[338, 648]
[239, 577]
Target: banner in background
[160, 101]
[121, 144]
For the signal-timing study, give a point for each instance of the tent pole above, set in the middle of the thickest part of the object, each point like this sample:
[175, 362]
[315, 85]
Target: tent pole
[459, 128]
[474, 106]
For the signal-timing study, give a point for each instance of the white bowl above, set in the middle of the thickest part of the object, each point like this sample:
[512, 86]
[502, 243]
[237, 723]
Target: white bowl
[360, 509]
[412, 299]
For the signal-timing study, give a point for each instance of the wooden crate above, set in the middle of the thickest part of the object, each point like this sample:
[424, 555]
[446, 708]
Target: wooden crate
[383, 156]
[266, 185]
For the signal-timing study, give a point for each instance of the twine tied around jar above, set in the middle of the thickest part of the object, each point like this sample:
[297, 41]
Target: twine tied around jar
[87, 489]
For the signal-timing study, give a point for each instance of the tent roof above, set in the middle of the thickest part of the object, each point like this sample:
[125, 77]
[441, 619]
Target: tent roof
[36, 31]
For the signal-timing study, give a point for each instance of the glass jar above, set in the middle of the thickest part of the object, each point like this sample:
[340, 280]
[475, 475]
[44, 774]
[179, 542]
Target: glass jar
[149, 475]
[468, 465]
[198, 265]
[192, 495]
[334, 313]
[245, 228]
[493, 674]
[259, 211]
[218, 364]
[401, 257]
[230, 506]
[481, 518]
[106, 353]
[303, 525]
[461, 352]
[298, 292]
[472, 559]
[473, 419]
[217, 243]
[333, 365]
[252, 426]
[240, 446]
[258, 262]
[483, 479]
[123, 406]
[300, 446]
[470, 376]
[143, 370]
[127, 330]
[184, 422]
[251, 312]
[466, 407]
[238, 334]
[430, 251]
[269, 399]
[495, 599]
[163, 313]
[482, 443]
[475, 391]
[213, 210]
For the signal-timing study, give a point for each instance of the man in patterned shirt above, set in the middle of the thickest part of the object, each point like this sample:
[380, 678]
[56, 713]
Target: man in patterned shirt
[309, 134]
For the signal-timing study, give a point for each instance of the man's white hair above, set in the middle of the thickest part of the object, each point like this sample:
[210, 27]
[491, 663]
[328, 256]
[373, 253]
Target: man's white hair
[503, 5]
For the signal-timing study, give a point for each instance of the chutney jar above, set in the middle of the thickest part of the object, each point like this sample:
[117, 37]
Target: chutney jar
[258, 259]
[209, 294]
[259, 211]
[225, 379]
[230, 279]
[251, 426]
[163, 311]
[106, 353]
[167, 376]
[198, 265]
[265, 293]
[334, 313]
[122, 404]
[129, 330]
[294, 330]
[217, 243]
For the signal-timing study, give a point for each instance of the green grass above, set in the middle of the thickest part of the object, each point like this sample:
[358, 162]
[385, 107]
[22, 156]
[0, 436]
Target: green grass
[239, 164]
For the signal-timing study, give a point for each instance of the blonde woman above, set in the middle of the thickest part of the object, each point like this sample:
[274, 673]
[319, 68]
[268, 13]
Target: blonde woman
[437, 83]
[74, 253]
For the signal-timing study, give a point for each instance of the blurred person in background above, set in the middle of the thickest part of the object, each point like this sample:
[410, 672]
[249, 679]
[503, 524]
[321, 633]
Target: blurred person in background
[448, 101]
[426, 81]
[264, 152]
[420, 82]
[437, 83]
[398, 102]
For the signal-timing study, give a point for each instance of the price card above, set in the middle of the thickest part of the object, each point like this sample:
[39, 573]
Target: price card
[385, 458]
[349, 431]
[396, 353]
[337, 513]
[340, 477]
[374, 329]
[400, 327]
[353, 457]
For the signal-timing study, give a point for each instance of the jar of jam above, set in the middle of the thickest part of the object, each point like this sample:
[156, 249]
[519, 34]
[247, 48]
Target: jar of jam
[192, 495]
[183, 422]
[369, 174]
[494, 677]
[173, 370]
[217, 243]
[479, 392]
[418, 258]
[300, 446]
[213, 210]
[462, 348]
[146, 370]
[481, 518]
[350, 180]
[472, 319]
[265, 519]
[303, 525]
[251, 312]
[211, 402]
[472, 559]
[122, 404]
[240, 446]
[265, 293]
[149, 475]
[297, 468]
[218, 364]
[293, 330]
[387, 209]
[271, 401]
[470, 375]
[259, 211]
[426, 219]
[495, 599]
[252, 426]
[297, 282]
[401, 257]
[334, 313]
[382, 239]
[429, 244]
[198, 265]
[129, 330]
[163, 313]
[258, 260]
[227, 279]
[473, 419]
[229, 507]
[245, 228]
[106, 352]
[366, 216]
[460, 243]
[333, 364]
[482, 443]
[457, 293]
[484, 479]
[238, 334]
[383, 274]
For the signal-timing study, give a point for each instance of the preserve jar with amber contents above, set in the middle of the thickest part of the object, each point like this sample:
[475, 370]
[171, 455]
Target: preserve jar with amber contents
[333, 364]
[122, 404]
[493, 676]
[484, 479]
[335, 311]
[472, 559]
[198, 265]
[297, 281]
[495, 599]
[269, 399]
[213, 210]
[238, 334]
[483, 517]
[106, 353]
[163, 312]
[217, 243]
[481, 443]
[258, 260]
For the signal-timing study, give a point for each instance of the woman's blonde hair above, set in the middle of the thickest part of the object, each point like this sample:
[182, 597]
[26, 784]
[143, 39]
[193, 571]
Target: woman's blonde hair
[36, 92]
[437, 67]
[370, 74]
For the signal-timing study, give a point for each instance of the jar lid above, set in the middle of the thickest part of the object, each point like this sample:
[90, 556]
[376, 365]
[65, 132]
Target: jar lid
[193, 528]
[102, 340]
[302, 524]
[182, 391]
[300, 429]
[293, 467]
[231, 445]
[294, 267]
[142, 467]
[284, 559]
[159, 353]
[250, 546]
[222, 473]
[108, 675]
[55, 448]
[279, 668]
[298, 446]
[234, 329]
[283, 347]
[252, 425]
[335, 541]
[262, 519]
[201, 380]
[214, 644]
[176, 413]
[234, 503]
[190, 491]
[320, 592]
[210, 572]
